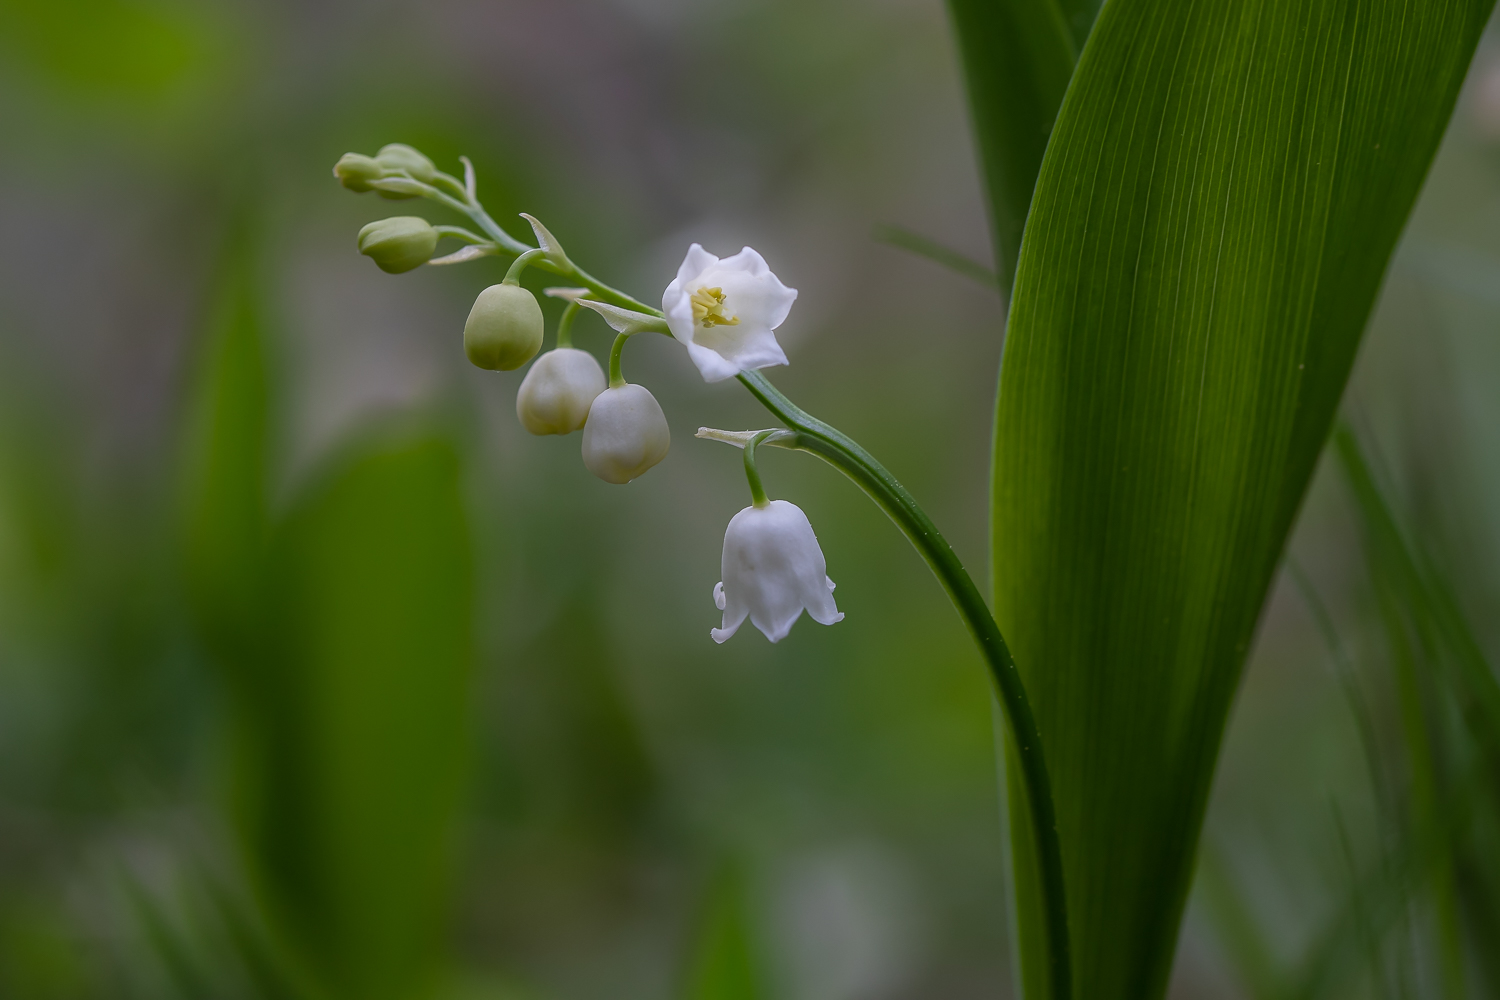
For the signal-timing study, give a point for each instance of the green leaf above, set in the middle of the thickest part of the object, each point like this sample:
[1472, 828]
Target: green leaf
[224, 520]
[1438, 665]
[1222, 192]
[354, 719]
[724, 965]
[1017, 58]
[934, 251]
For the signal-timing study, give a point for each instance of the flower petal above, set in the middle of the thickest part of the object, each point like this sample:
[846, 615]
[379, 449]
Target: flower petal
[754, 294]
[753, 297]
[694, 264]
[773, 570]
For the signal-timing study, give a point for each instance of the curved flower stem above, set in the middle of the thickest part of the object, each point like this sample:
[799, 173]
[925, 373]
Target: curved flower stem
[616, 376]
[460, 233]
[513, 276]
[843, 453]
[757, 490]
[565, 325]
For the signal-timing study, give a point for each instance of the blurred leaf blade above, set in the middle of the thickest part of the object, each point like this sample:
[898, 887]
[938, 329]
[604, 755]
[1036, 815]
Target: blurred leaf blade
[1017, 56]
[1222, 192]
[1439, 662]
[934, 251]
[356, 728]
[227, 451]
[723, 964]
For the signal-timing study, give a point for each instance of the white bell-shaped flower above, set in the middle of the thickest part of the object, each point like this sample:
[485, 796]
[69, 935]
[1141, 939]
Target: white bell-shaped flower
[625, 435]
[773, 569]
[725, 312]
[557, 392]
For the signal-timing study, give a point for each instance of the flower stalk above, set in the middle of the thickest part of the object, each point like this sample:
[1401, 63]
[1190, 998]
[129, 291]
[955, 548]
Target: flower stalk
[843, 453]
[757, 490]
[616, 376]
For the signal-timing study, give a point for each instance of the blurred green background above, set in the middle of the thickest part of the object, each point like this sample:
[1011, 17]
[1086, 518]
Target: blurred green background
[319, 677]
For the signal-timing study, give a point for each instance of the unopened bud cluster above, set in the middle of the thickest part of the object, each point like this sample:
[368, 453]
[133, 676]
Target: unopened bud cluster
[359, 173]
[724, 312]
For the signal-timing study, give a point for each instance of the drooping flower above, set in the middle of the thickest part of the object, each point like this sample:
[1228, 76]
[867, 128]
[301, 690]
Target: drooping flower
[773, 569]
[557, 392]
[725, 312]
[625, 435]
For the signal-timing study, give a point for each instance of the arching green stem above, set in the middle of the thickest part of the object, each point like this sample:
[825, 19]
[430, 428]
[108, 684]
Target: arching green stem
[565, 325]
[843, 453]
[455, 195]
[757, 491]
[616, 379]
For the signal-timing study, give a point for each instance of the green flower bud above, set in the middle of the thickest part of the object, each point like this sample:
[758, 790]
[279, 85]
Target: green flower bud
[504, 330]
[399, 156]
[355, 171]
[398, 244]
[397, 187]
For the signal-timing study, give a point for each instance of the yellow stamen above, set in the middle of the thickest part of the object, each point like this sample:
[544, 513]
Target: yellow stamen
[708, 308]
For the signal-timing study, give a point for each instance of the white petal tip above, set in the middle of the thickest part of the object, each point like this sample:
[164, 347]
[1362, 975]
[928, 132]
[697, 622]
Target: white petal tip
[719, 635]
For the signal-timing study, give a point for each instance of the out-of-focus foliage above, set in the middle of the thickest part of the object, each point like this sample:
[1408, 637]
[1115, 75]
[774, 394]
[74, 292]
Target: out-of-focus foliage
[355, 722]
[725, 962]
[345, 631]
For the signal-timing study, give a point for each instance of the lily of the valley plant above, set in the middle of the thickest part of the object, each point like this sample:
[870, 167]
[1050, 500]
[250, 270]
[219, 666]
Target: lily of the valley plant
[725, 313]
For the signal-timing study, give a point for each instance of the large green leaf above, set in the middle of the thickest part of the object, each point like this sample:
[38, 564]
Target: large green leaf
[1224, 185]
[354, 719]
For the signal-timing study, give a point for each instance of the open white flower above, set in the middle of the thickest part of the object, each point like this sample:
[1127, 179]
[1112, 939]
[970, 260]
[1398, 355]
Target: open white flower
[725, 312]
[773, 569]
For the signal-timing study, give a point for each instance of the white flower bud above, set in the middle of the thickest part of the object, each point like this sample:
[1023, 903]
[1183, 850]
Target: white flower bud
[773, 569]
[557, 392]
[625, 435]
[504, 329]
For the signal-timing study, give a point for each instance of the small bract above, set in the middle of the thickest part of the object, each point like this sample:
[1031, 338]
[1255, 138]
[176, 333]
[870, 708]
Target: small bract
[557, 392]
[725, 312]
[773, 569]
[504, 329]
[625, 435]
